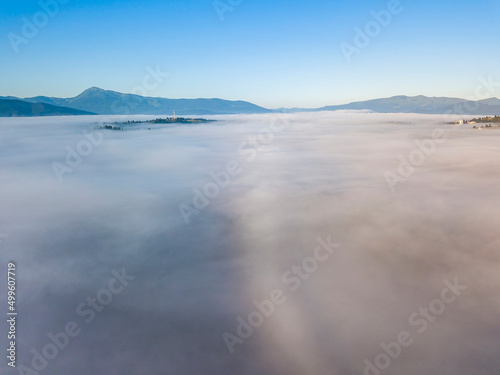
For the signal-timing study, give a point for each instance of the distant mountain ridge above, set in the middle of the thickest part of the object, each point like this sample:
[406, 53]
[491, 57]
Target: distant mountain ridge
[106, 102]
[19, 108]
[415, 104]
[423, 105]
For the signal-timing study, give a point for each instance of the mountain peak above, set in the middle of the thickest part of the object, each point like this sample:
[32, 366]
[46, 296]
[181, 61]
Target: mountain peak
[94, 89]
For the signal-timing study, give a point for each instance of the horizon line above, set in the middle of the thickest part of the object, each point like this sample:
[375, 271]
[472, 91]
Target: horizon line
[246, 101]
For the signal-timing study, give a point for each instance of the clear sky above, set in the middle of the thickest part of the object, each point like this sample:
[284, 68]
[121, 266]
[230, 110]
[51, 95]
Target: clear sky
[272, 53]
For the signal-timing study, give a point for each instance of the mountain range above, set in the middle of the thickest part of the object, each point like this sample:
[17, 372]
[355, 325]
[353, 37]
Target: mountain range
[20, 108]
[425, 105]
[105, 102]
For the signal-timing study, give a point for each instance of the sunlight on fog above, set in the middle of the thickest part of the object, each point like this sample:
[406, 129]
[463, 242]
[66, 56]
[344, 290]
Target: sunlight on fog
[317, 175]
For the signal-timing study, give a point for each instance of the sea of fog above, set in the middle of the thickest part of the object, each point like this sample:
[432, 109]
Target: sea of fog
[300, 244]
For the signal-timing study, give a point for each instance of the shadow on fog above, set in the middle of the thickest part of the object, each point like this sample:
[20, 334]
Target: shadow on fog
[321, 175]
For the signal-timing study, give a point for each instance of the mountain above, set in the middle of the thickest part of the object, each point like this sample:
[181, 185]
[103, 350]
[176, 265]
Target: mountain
[424, 105]
[107, 102]
[491, 101]
[415, 104]
[19, 108]
[99, 101]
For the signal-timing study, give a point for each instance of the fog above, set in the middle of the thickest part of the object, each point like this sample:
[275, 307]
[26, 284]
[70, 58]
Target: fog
[309, 176]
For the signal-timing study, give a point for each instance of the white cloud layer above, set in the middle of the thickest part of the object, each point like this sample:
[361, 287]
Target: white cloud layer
[322, 174]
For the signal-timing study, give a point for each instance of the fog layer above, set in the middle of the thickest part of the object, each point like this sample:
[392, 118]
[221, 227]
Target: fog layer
[405, 229]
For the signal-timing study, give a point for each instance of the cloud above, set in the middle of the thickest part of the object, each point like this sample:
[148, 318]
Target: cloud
[322, 175]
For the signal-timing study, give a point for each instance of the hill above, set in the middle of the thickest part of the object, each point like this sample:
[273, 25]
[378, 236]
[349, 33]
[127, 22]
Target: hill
[108, 102]
[424, 105]
[19, 108]
[415, 104]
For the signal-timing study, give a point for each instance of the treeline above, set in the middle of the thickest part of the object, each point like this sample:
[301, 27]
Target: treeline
[182, 120]
[486, 119]
[167, 120]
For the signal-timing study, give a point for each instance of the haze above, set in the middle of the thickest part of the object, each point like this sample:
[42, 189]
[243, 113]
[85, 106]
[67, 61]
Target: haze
[322, 175]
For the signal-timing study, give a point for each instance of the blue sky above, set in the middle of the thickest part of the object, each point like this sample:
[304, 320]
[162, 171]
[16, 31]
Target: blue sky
[272, 53]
